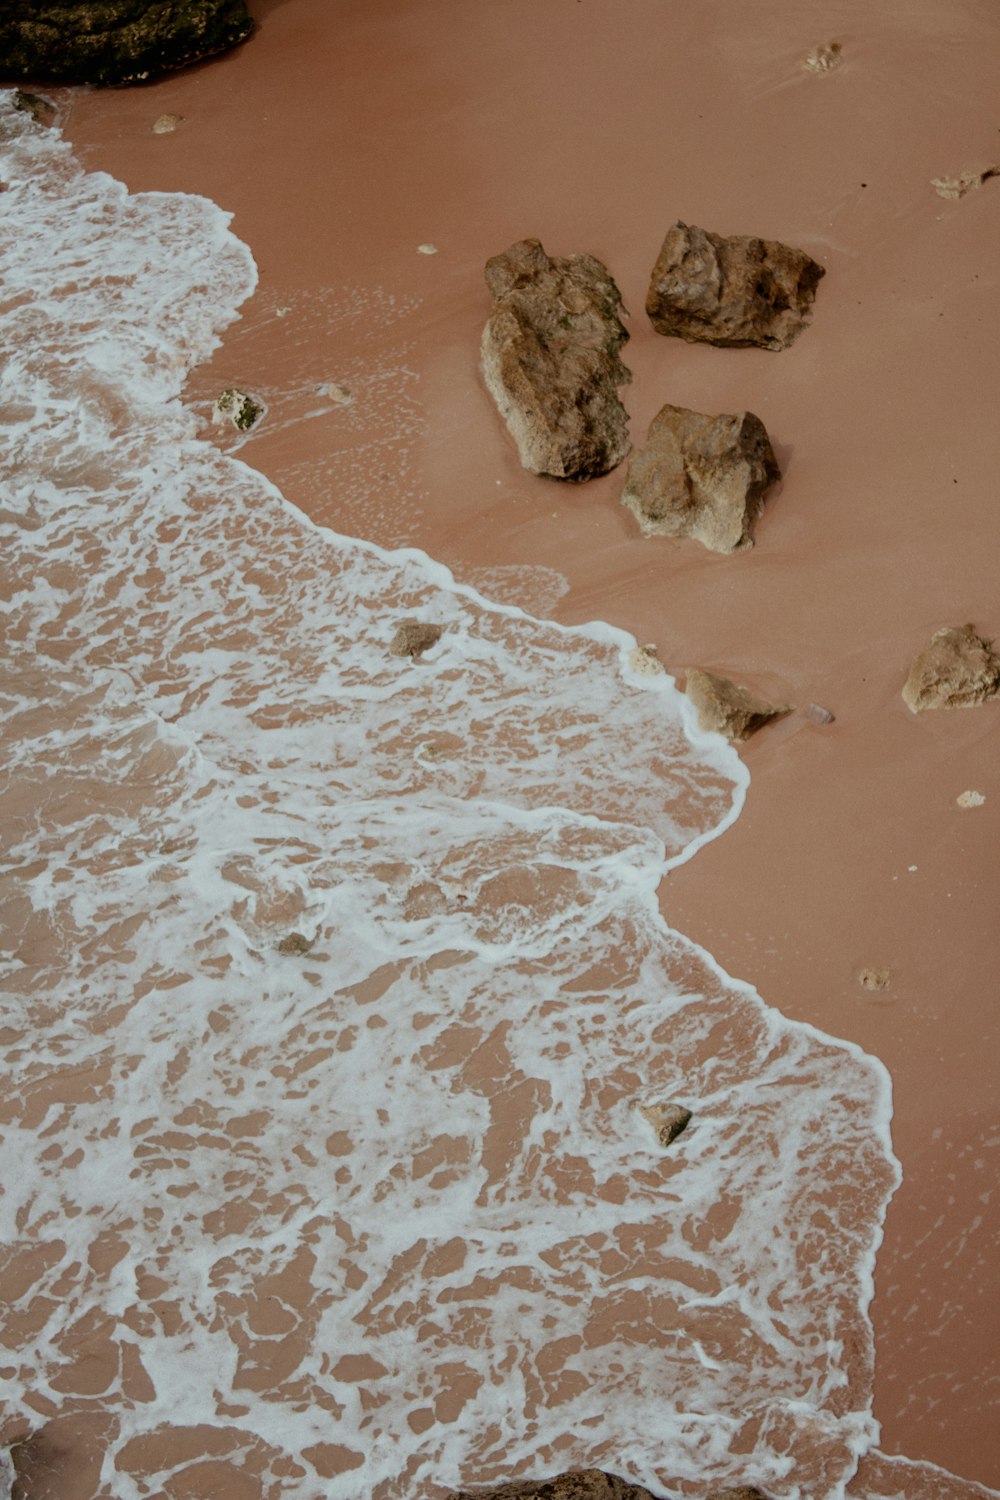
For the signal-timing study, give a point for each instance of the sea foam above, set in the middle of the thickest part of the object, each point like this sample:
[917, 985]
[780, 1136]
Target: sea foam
[380, 1214]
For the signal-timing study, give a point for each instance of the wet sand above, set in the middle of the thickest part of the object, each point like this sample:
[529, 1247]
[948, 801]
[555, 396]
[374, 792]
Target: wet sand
[344, 138]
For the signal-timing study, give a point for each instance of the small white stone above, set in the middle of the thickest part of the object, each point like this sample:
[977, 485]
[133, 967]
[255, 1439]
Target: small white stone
[970, 799]
[165, 124]
[427, 249]
[912, 869]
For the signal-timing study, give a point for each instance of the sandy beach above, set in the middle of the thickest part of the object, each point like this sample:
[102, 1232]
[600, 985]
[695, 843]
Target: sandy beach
[373, 156]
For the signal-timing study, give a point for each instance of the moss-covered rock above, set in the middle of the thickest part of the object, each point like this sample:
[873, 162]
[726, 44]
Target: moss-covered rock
[113, 41]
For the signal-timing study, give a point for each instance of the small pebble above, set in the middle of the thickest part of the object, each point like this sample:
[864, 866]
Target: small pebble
[165, 124]
[340, 395]
[817, 714]
[970, 799]
[427, 249]
[668, 1120]
[874, 979]
[294, 943]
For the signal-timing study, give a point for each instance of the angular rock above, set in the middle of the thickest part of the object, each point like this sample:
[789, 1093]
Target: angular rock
[668, 1120]
[576, 1484]
[115, 41]
[238, 408]
[724, 708]
[732, 291]
[959, 669]
[551, 363]
[414, 637]
[703, 477]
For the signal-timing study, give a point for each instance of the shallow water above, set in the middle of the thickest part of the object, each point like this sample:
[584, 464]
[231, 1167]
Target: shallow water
[379, 1214]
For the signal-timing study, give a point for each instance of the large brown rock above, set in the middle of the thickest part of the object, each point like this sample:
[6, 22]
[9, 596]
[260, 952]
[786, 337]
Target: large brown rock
[113, 41]
[958, 670]
[724, 708]
[703, 477]
[734, 291]
[551, 362]
[577, 1484]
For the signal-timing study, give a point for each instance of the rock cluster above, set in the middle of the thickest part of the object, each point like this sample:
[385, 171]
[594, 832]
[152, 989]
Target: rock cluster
[958, 670]
[117, 41]
[725, 708]
[731, 291]
[702, 477]
[551, 361]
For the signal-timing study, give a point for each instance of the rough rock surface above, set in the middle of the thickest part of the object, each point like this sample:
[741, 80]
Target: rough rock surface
[733, 291]
[113, 41]
[727, 709]
[577, 1484]
[668, 1120]
[414, 637]
[295, 942]
[238, 408]
[703, 477]
[551, 362]
[958, 670]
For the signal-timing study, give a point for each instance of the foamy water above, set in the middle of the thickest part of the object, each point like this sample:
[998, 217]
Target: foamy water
[378, 1215]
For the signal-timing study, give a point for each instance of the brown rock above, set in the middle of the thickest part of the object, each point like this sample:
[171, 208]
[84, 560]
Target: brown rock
[727, 709]
[116, 41]
[703, 477]
[577, 1484]
[733, 291]
[668, 1120]
[414, 637]
[295, 942]
[959, 669]
[550, 360]
[739, 1492]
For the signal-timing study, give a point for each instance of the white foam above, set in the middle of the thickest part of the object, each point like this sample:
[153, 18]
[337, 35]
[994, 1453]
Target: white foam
[419, 1140]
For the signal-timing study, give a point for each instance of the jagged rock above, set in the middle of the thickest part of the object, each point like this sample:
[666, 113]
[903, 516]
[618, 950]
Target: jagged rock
[43, 111]
[668, 1120]
[874, 979]
[576, 1484]
[825, 57]
[965, 182]
[959, 669]
[414, 637]
[236, 407]
[116, 41]
[724, 708]
[731, 291]
[703, 477]
[551, 362]
[295, 942]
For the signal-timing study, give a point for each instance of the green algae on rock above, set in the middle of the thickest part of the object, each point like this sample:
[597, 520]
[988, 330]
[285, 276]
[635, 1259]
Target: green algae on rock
[114, 41]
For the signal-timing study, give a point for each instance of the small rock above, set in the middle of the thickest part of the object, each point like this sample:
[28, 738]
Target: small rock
[427, 249]
[414, 637]
[668, 1120]
[817, 714]
[165, 124]
[294, 943]
[702, 477]
[738, 1492]
[965, 182]
[733, 292]
[970, 799]
[237, 408]
[959, 669]
[724, 708]
[644, 661]
[874, 979]
[340, 395]
[551, 363]
[824, 57]
[41, 110]
[577, 1484]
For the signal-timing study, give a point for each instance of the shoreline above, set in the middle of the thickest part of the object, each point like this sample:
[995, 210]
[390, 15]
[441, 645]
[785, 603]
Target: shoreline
[796, 897]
